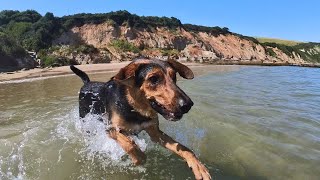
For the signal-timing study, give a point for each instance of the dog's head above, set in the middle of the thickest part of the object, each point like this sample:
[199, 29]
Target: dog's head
[156, 80]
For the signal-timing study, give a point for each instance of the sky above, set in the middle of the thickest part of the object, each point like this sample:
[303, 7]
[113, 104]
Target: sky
[284, 19]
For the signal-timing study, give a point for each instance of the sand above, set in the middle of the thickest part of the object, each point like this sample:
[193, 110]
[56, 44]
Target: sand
[63, 70]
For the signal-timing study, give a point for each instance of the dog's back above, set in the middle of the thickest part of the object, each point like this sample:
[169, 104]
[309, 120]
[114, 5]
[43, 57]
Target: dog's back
[92, 95]
[105, 97]
[92, 98]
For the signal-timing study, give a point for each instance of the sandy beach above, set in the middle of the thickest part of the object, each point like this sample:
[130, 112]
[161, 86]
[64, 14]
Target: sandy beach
[63, 70]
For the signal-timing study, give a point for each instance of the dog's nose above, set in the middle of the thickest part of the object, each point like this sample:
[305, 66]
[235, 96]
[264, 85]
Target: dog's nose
[185, 105]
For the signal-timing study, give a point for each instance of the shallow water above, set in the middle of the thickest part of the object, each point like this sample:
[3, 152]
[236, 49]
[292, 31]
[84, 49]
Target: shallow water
[247, 123]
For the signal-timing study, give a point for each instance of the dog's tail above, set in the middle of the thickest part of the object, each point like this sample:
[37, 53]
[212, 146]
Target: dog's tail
[81, 74]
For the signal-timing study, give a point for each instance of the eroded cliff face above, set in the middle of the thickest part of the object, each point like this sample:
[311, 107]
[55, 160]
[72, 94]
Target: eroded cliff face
[193, 46]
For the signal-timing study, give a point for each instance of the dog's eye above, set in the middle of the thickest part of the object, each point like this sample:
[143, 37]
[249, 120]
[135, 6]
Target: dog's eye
[154, 79]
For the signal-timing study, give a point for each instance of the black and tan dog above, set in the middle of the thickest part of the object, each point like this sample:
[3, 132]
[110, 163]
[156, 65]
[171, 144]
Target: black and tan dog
[131, 101]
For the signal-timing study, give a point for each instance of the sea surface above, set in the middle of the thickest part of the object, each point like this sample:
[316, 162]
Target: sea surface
[248, 122]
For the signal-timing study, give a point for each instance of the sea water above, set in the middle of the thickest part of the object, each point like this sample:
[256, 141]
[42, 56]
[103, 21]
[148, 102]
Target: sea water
[247, 123]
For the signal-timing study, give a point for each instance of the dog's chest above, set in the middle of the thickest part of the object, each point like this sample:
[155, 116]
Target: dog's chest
[124, 113]
[132, 124]
[137, 128]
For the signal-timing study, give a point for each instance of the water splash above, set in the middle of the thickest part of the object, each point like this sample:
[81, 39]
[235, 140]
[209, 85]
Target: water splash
[58, 135]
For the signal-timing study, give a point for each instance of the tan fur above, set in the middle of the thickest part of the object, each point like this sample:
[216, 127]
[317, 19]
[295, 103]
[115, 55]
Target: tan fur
[199, 170]
[120, 124]
[165, 93]
[140, 103]
[128, 145]
[138, 99]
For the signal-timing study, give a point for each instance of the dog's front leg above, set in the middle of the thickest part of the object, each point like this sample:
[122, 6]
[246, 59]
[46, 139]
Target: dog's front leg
[199, 170]
[128, 145]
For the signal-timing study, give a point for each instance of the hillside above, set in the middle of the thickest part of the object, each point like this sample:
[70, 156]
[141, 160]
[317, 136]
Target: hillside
[121, 36]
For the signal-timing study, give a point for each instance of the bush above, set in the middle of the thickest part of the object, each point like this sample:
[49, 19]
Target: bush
[270, 52]
[119, 18]
[86, 49]
[30, 29]
[169, 52]
[9, 47]
[8, 16]
[18, 30]
[284, 48]
[212, 30]
[247, 38]
[125, 46]
[53, 61]
[48, 61]
[307, 47]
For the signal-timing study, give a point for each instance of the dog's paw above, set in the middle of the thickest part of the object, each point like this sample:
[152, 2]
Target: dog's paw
[198, 169]
[137, 156]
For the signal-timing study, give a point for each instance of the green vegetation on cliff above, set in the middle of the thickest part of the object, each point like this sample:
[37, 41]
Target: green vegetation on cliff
[29, 29]
[310, 50]
[48, 59]
[9, 47]
[35, 32]
[124, 46]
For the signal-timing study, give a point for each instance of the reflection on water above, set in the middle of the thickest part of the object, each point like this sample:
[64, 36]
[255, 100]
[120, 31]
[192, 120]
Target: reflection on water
[247, 122]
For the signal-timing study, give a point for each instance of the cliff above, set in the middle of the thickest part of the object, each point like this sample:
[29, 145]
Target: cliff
[122, 36]
[179, 43]
[13, 56]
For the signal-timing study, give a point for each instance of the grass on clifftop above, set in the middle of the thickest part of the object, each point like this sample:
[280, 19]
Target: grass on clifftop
[278, 41]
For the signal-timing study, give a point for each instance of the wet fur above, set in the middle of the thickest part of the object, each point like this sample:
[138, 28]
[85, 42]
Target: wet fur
[131, 105]
[106, 99]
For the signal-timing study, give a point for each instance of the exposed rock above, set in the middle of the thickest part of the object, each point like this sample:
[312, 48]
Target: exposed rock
[11, 64]
[83, 58]
[195, 46]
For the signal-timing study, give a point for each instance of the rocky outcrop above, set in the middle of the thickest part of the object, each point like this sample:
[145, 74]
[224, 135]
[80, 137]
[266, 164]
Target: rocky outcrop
[99, 56]
[155, 42]
[8, 63]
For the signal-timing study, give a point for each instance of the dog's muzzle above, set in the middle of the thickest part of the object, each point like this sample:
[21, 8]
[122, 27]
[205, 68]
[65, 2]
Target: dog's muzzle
[184, 107]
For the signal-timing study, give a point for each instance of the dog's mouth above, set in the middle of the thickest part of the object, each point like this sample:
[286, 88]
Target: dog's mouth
[168, 115]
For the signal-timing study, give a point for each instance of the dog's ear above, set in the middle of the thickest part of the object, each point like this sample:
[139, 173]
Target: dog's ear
[126, 75]
[183, 70]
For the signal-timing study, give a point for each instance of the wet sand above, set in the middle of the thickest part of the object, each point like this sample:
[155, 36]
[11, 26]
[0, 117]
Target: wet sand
[63, 70]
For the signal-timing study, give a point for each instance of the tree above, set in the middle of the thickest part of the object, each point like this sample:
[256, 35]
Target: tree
[9, 47]
[18, 30]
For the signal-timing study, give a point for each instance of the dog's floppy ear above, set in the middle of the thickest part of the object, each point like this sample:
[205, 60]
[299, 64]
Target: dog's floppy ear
[126, 75]
[183, 70]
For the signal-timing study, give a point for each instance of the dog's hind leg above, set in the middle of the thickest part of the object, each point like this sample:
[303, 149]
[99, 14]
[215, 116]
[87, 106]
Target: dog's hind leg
[128, 145]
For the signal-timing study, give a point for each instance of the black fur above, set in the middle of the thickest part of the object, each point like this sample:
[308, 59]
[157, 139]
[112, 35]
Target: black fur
[99, 98]
[81, 74]
[92, 98]
[144, 69]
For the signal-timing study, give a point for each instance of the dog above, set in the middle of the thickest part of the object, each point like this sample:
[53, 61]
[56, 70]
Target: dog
[131, 101]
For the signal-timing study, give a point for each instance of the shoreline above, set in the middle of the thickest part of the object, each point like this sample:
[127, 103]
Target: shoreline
[111, 67]
[65, 70]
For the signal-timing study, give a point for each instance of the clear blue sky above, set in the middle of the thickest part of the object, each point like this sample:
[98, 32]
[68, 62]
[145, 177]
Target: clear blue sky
[285, 19]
